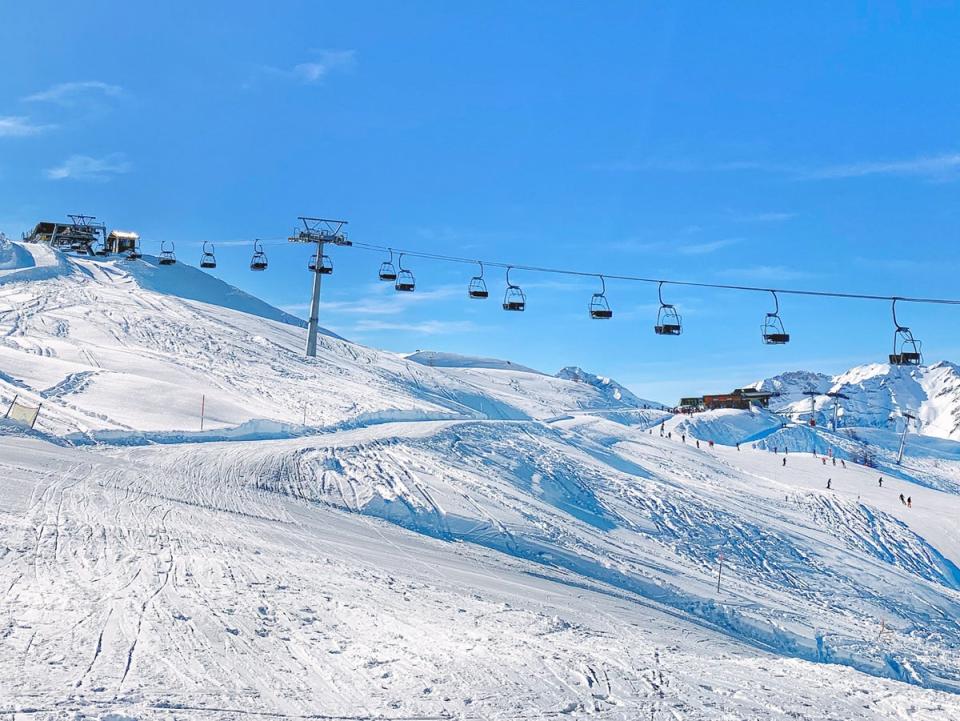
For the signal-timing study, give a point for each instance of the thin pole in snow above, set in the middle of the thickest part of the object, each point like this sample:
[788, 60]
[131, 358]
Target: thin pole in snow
[719, 571]
[304, 414]
[203, 408]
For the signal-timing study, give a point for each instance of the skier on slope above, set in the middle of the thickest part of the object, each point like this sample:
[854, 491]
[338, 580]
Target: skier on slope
[784, 461]
[909, 502]
[829, 480]
[903, 500]
[880, 482]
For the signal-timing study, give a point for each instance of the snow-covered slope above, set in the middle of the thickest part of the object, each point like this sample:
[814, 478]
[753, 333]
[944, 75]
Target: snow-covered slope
[459, 540]
[131, 348]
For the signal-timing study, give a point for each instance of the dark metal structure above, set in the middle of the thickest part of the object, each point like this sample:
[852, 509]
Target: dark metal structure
[599, 306]
[668, 319]
[906, 348]
[325, 266]
[405, 280]
[514, 298]
[167, 256]
[208, 260]
[477, 288]
[259, 259]
[387, 271]
[319, 231]
[772, 328]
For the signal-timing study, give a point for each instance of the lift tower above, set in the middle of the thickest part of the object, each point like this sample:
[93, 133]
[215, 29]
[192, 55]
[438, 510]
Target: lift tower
[903, 436]
[812, 395]
[319, 231]
[837, 395]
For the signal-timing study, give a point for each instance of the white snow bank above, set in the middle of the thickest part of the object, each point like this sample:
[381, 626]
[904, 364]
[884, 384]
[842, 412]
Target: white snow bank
[192, 283]
[728, 426]
[436, 359]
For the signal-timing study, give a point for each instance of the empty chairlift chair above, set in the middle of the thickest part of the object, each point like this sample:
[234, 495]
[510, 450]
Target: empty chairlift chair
[514, 298]
[325, 267]
[906, 348]
[167, 256]
[477, 288]
[772, 328]
[134, 253]
[405, 280]
[259, 259]
[668, 320]
[388, 272]
[599, 306]
[207, 260]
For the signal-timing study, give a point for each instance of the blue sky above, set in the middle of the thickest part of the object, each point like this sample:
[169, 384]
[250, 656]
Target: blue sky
[777, 144]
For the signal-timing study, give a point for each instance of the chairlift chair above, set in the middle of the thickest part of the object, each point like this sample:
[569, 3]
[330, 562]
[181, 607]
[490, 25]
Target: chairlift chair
[906, 348]
[207, 260]
[514, 298]
[325, 267]
[259, 259]
[599, 306]
[405, 280]
[134, 253]
[387, 271]
[478, 287]
[668, 320]
[772, 328]
[167, 257]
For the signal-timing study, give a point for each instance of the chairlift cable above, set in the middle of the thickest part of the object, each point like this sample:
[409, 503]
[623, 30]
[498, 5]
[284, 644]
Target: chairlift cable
[664, 281]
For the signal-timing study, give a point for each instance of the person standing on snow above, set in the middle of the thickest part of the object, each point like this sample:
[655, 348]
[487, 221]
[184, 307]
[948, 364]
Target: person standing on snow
[909, 502]
[784, 461]
[828, 483]
[880, 482]
[902, 499]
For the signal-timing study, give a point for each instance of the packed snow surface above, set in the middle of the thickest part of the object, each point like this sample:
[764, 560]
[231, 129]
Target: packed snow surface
[449, 540]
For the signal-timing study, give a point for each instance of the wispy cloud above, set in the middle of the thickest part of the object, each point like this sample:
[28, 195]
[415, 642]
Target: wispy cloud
[18, 126]
[69, 94]
[940, 167]
[930, 166]
[85, 167]
[708, 247]
[762, 217]
[427, 327]
[766, 272]
[314, 71]
[381, 300]
[680, 165]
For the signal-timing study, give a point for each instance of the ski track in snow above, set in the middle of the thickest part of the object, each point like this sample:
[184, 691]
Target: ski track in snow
[461, 539]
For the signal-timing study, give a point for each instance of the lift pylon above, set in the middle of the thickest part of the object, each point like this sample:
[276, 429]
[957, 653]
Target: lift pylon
[319, 231]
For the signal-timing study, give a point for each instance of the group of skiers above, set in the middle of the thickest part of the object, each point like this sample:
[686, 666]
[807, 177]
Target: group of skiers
[664, 433]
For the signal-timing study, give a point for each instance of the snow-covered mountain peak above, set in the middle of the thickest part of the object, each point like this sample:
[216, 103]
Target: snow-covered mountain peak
[877, 395]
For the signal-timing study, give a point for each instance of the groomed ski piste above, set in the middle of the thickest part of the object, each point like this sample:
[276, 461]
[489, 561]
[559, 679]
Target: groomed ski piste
[365, 535]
